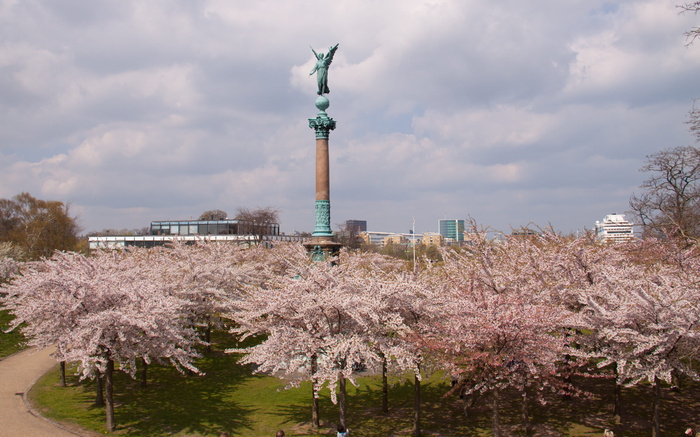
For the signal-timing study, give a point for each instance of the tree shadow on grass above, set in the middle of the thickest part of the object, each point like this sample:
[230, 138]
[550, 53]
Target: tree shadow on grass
[299, 412]
[173, 403]
[177, 404]
[439, 416]
[679, 408]
[445, 415]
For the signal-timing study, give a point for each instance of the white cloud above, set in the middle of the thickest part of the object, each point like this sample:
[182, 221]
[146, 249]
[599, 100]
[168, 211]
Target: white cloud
[500, 126]
[641, 48]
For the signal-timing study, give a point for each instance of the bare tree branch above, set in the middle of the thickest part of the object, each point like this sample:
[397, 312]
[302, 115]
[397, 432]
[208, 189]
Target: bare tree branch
[670, 202]
[694, 122]
[693, 33]
[258, 222]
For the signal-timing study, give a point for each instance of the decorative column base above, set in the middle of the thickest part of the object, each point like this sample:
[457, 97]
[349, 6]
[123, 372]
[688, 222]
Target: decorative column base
[323, 219]
[322, 248]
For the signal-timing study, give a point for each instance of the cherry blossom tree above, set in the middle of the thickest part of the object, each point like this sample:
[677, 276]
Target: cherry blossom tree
[320, 318]
[644, 308]
[101, 310]
[397, 306]
[209, 275]
[504, 327]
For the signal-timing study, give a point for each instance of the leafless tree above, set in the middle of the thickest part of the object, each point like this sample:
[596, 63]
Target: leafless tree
[670, 201]
[349, 236]
[214, 214]
[258, 221]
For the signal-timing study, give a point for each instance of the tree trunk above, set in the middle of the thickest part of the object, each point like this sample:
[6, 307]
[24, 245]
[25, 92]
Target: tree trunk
[109, 396]
[385, 387]
[524, 412]
[496, 420]
[314, 400]
[341, 400]
[617, 401]
[207, 334]
[144, 372]
[416, 407]
[617, 406]
[62, 373]
[99, 398]
[656, 388]
[567, 378]
[314, 407]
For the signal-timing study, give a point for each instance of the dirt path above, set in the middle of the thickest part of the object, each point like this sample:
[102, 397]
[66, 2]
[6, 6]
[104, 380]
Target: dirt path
[17, 373]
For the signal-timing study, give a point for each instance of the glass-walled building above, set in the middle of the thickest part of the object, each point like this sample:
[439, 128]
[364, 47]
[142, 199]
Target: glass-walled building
[213, 227]
[190, 231]
[357, 225]
[452, 230]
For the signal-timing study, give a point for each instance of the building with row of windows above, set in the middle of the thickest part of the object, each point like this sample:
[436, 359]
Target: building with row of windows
[451, 230]
[614, 229]
[356, 226]
[162, 232]
[213, 227]
[382, 239]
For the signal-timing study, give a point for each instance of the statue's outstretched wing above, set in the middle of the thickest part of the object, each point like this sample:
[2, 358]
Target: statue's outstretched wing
[331, 53]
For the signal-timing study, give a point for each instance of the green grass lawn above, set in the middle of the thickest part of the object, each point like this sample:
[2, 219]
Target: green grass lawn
[10, 342]
[230, 398]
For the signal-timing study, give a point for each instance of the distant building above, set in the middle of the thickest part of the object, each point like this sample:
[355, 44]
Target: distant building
[395, 239]
[614, 228]
[432, 239]
[382, 238]
[452, 230]
[357, 225]
[162, 232]
[210, 227]
[524, 232]
[376, 238]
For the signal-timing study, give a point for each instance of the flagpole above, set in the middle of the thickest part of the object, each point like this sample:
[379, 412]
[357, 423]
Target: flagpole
[413, 231]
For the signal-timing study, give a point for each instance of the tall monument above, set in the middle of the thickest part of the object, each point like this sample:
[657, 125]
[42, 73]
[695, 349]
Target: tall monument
[322, 244]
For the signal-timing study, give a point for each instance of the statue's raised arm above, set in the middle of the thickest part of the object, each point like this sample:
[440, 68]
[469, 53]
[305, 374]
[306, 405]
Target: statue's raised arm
[321, 69]
[315, 66]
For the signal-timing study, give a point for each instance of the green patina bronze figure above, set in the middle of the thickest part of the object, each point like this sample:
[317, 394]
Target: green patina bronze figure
[321, 69]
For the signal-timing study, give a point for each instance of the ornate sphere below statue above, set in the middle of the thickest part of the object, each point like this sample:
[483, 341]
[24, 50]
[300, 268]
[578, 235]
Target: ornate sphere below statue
[322, 103]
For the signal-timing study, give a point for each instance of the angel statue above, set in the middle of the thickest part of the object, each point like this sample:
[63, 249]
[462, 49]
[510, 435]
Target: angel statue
[321, 69]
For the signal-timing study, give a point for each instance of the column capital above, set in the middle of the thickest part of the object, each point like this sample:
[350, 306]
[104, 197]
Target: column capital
[322, 124]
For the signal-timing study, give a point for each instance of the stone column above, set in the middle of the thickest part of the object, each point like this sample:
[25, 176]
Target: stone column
[322, 242]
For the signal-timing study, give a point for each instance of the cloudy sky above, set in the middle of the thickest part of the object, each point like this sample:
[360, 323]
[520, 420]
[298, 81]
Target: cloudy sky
[507, 111]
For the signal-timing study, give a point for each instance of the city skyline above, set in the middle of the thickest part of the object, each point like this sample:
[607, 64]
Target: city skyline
[511, 113]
